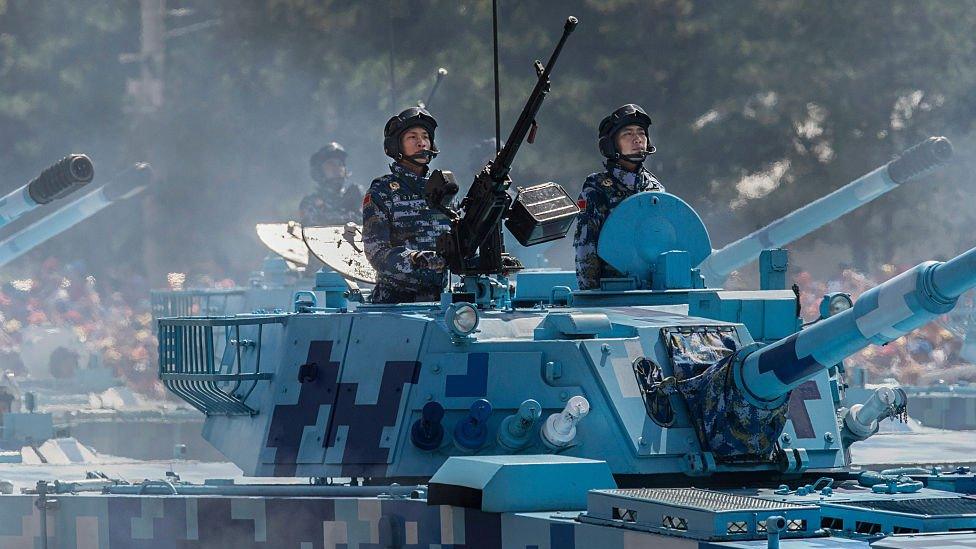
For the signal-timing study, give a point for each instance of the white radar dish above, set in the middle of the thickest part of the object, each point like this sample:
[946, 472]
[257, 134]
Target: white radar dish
[341, 248]
[284, 239]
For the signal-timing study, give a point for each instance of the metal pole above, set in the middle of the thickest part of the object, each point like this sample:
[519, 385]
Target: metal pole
[498, 119]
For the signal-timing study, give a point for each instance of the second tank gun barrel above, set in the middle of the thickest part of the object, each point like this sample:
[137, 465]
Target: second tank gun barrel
[62, 178]
[58, 180]
[910, 165]
[880, 315]
[128, 183]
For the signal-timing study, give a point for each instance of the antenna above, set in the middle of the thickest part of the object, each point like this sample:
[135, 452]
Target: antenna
[393, 86]
[441, 73]
[498, 120]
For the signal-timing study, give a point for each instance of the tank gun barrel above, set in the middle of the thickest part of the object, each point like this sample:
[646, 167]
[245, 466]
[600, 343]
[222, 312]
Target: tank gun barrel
[910, 165]
[128, 183]
[60, 179]
[882, 314]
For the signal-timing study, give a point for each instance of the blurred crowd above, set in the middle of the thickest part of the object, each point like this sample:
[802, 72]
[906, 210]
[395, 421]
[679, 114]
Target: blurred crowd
[931, 355]
[95, 323]
[109, 320]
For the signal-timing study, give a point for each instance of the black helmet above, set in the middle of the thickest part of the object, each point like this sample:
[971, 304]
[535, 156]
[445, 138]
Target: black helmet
[414, 116]
[330, 151]
[623, 116]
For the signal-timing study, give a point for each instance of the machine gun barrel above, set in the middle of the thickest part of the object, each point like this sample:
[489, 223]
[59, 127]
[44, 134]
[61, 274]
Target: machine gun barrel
[503, 161]
[487, 202]
[128, 183]
[60, 179]
[882, 314]
[910, 165]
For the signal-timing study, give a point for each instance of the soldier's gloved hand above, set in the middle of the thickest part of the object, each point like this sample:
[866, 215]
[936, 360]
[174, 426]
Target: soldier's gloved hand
[428, 260]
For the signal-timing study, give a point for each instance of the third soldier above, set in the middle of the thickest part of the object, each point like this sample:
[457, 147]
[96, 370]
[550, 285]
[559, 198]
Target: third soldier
[624, 142]
[400, 230]
[335, 201]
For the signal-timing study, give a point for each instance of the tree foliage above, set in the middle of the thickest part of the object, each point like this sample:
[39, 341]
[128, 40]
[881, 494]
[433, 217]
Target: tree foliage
[758, 108]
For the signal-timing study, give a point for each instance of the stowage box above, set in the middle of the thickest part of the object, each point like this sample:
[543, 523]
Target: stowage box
[541, 213]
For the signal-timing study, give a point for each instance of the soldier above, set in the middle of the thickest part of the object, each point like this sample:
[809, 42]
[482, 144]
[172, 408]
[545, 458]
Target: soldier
[624, 142]
[399, 229]
[334, 201]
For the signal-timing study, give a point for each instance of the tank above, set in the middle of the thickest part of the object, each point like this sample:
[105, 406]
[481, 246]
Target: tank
[653, 411]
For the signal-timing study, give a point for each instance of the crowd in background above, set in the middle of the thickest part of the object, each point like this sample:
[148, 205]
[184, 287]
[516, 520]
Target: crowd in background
[111, 320]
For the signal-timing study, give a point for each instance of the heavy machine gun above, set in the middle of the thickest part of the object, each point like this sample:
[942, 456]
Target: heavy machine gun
[474, 247]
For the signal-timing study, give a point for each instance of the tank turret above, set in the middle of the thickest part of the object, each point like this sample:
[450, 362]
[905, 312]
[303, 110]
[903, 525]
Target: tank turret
[60, 179]
[910, 165]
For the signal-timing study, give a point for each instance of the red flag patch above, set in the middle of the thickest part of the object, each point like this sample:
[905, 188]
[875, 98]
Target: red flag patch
[367, 200]
[581, 203]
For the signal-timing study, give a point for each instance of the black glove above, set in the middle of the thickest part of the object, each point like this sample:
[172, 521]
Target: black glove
[428, 260]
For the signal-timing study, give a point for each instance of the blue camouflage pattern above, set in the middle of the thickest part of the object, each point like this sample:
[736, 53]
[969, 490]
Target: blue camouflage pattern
[331, 204]
[601, 193]
[397, 223]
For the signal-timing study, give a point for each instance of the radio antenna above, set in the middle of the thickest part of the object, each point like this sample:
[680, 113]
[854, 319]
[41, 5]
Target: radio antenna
[498, 120]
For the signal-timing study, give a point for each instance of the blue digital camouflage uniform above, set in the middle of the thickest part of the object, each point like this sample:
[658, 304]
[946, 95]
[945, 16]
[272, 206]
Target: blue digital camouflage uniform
[397, 222]
[330, 205]
[600, 194]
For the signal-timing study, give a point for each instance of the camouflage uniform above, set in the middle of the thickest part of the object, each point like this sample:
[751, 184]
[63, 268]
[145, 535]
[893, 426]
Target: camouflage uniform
[601, 193]
[396, 223]
[330, 204]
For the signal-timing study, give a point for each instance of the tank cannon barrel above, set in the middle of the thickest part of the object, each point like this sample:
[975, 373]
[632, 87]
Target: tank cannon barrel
[60, 179]
[910, 165]
[882, 314]
[128, 183]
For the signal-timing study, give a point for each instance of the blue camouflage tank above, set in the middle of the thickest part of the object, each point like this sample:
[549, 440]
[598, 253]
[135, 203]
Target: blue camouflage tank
[396, 223]
[600, 194]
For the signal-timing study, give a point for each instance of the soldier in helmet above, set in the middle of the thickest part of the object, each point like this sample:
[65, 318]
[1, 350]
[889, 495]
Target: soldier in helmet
[625, 144]
[399, 229]
[334, 201]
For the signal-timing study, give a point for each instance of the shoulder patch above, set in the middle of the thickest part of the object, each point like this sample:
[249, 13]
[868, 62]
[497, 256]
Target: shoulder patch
[581, 203]
[394, 186]
[367, 200]
[606, 182]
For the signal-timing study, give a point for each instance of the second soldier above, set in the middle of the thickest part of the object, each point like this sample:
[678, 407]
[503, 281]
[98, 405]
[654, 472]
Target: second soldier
[624, 142]
[335, 201]
[400, 230]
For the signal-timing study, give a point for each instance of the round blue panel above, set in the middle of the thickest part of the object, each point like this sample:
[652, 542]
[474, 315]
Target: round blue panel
[648, 224]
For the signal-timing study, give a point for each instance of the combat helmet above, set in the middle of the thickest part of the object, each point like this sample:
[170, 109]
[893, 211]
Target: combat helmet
[409, 118]
[328, 152]
[614, 122]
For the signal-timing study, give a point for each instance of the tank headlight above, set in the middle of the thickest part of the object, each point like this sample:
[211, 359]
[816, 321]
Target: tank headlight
[462, 318]
[834, 303]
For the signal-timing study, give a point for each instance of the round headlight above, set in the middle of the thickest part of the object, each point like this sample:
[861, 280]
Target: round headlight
[834, 303]
[462, 318]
